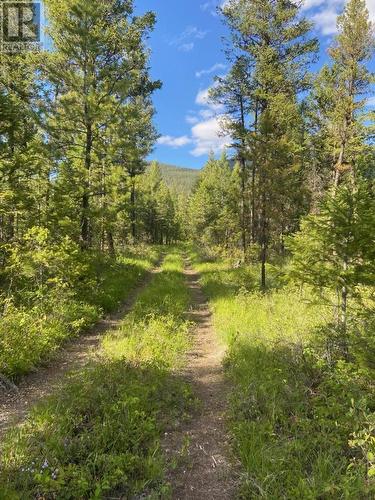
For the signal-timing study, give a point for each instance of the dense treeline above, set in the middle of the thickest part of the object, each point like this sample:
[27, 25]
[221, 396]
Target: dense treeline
[75, 189]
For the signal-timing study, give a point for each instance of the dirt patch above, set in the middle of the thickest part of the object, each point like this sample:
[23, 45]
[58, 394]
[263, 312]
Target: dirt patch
[14, 406]
[198, 450]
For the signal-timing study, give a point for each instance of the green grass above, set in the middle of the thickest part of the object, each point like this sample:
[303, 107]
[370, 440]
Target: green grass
[302, 422]
[31, 333]
[99, 437]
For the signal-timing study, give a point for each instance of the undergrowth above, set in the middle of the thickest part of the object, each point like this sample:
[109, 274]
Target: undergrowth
[99, 437]
[58, 293]
[302, 418]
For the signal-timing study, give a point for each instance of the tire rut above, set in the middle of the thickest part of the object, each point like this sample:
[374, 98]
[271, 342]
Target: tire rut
[200, 447]
[76, 354]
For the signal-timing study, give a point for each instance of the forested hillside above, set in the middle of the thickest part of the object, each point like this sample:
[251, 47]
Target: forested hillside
[176, 333]
[179, 179]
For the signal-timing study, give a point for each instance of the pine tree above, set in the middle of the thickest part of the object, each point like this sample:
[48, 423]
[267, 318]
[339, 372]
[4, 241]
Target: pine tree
[99, 63]
[213, 206]
[24, 168]
[233, 92]
[275, 41]
[334, 251]
[335, 247]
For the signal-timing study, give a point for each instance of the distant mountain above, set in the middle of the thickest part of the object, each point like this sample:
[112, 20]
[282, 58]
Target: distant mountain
[181, 179]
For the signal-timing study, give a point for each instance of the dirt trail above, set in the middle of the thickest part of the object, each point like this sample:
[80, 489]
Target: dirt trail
[200, 447]
[75, 355]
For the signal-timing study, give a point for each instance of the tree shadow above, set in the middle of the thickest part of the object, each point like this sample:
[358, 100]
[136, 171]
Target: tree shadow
[100, 434]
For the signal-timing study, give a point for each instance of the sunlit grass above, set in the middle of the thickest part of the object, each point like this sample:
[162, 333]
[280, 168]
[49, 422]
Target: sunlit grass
[99, 437]
[301, 421]
[31, 334]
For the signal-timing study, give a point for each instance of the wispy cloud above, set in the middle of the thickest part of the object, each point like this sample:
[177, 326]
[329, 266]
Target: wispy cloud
[186, 47]
[174, 142]
[208, 71]
[185, 40]
[191, 119]
[212, 6]
[324, 13]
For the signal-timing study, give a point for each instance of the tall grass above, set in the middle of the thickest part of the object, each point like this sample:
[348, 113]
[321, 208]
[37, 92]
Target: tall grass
[302, 422]
[32, 329]
[99, 437]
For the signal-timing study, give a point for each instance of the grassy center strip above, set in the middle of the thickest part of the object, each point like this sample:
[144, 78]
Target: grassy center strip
[100, 435]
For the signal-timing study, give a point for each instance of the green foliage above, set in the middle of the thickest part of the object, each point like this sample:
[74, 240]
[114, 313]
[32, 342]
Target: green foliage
[301, 417]
[156, 208]
[213, 205]
[179, 179]
[100, 435]
[335, 248]
[58, 293]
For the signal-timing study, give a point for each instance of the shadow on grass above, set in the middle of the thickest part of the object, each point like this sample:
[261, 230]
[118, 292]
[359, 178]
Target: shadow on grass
[229, 282]
[292, 419]
[98, 437]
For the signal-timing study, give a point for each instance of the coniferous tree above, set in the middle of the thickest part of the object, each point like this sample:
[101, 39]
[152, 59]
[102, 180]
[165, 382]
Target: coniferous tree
[214, 217]
[99, 63]
[275, 41]
[334, 248]
[233, 92]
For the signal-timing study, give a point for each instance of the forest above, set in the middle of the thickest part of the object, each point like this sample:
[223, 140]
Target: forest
[179, 334]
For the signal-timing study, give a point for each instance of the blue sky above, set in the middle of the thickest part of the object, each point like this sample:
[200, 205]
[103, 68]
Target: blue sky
[186, 53]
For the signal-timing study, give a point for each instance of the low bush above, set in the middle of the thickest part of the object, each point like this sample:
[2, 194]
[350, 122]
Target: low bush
[55, 292]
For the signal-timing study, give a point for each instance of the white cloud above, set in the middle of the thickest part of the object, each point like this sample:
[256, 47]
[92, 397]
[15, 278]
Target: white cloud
[212, 6]
[206, 113]
[203, 99]
[310, 4]
[206, 131]
[185, 41]
[208, 71]
[324, 13]
[325, 21]
[174, 142]
[207, 137]
[192, 120]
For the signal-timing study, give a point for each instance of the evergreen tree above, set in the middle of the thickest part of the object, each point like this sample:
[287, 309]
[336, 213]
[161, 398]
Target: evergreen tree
[213, 206]
[274, 38]
[99, 63]
[233, 92]
[335, 247]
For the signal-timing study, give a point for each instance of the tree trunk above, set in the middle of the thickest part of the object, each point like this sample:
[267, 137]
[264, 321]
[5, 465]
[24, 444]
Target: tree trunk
[133, 214]
[264, 240]
[243, 208]
[243, 184]
[253, 179]
[85, 219]
[111, 244]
